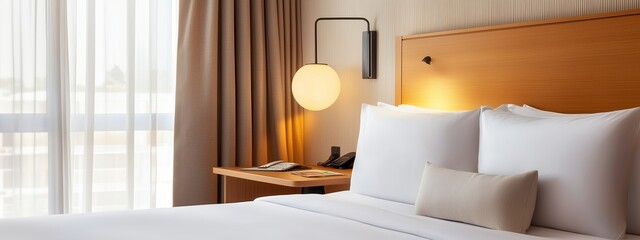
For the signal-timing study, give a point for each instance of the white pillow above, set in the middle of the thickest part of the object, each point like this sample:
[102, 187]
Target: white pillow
[633, 204]
[393, 147]
[582, 162]
[507, 107]
[526, 110]
[502, 202]
[416, 109]
[387, 106]
[413, 109]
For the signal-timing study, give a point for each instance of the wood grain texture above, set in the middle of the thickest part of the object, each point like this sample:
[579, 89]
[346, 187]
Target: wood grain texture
[580, 64]
[286, 178]
[398, 57]
[240, 186]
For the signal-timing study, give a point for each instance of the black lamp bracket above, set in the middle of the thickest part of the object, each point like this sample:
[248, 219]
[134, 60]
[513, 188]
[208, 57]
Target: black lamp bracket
[369, 43]
[427, 60]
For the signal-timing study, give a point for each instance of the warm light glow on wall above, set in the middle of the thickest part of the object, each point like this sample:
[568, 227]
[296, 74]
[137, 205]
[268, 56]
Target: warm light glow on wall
[439, 95]
[316, 86]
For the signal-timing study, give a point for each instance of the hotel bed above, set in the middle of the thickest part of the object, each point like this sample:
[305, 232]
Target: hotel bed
[555, 68]
[342, 215]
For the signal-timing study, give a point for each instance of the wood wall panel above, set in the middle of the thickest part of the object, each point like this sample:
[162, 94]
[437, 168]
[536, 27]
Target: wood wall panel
[580, 64]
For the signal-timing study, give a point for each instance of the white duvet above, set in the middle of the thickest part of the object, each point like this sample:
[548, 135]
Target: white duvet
[342, 215]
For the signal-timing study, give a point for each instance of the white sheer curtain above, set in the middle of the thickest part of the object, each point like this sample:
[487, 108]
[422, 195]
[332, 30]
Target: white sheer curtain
[86, 105]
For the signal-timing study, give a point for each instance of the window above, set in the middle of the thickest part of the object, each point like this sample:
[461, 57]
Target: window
[100, 137]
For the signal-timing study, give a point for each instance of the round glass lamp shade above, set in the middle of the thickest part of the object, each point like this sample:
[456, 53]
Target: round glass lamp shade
[315, 86]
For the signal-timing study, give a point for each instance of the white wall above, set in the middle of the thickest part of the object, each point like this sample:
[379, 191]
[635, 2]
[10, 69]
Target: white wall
[339, 45]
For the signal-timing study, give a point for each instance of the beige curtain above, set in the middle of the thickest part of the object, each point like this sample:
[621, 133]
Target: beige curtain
[234, 105]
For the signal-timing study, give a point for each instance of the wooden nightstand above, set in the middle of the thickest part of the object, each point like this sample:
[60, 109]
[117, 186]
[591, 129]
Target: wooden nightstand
[239, 185]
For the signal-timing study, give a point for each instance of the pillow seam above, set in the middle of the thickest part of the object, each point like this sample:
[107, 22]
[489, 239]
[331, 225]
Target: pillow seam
[526, 202]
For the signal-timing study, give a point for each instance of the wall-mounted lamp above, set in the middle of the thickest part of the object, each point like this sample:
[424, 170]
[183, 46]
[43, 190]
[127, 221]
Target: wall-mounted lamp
[316, 86]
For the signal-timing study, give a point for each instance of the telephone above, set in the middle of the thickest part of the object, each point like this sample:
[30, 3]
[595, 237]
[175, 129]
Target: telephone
[346, 161]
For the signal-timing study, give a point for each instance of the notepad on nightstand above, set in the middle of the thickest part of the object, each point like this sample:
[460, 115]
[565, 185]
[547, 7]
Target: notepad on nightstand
[316, 173]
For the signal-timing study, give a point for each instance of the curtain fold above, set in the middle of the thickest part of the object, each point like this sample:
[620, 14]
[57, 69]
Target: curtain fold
[57, 92]
[234, 106]
[121, 90]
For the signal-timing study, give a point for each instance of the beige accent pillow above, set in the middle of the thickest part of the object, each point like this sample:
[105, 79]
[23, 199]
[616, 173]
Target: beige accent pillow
[497, 202]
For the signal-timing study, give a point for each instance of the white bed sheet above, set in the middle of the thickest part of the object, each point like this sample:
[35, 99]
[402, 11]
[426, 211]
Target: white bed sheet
[342, 215]
[468, 230]
[250, 220]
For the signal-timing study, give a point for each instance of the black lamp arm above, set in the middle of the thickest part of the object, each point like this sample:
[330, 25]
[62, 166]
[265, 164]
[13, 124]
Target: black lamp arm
[333, 18]
[369, 40]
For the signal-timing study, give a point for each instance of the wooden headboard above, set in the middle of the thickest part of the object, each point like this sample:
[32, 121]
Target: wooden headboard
[579, 64]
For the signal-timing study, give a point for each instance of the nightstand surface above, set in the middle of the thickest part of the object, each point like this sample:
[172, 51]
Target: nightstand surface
[286, 178]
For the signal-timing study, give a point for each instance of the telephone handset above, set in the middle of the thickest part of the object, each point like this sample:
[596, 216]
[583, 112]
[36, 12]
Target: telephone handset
[335, 161]
[346, 161]
[335, 153]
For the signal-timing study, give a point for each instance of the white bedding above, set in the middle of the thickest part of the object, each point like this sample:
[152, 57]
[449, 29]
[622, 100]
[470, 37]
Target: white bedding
[455, 230]
[342, 215]
[250, 220]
